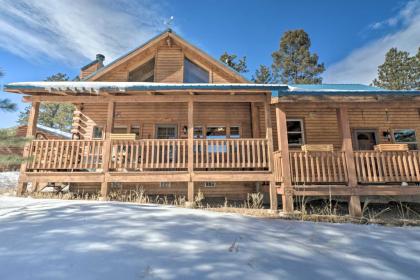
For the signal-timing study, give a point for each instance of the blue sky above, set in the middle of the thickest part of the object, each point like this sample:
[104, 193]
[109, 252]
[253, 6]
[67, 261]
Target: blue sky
[40, 38]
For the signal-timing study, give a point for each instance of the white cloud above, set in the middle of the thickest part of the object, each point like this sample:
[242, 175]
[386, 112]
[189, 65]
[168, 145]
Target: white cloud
[360, 66]
[75, 30]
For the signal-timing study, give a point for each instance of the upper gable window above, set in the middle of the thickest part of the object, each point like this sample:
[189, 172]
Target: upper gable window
[143, 73]
[194, 73]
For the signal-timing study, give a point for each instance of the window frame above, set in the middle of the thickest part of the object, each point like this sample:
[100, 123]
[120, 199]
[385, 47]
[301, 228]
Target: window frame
[135, 126]
[157, 126]
[302, 131]
[239, 131]
[199, 65]
[217, 126]
[209, 184]
[93, 132]
[408, 143]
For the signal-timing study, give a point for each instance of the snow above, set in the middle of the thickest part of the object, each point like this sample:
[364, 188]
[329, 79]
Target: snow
[96, 87]
[58, 239]
[54, 131]
[9, 179]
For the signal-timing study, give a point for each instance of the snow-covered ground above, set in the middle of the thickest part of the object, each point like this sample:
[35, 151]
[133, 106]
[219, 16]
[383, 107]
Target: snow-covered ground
[9, 179]
[57, 239]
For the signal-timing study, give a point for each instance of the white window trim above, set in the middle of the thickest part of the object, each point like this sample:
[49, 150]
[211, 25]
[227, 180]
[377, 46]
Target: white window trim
[402, 129]
[302, 132]
[209, 184]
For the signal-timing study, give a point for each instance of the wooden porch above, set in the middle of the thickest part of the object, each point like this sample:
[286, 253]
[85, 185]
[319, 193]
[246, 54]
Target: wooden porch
[148, 155]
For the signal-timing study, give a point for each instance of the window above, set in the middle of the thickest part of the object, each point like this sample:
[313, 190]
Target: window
[144, 73]
[165, 184]
[406, 136]
[209, 184]
[235, 132]
[216, 132]
[97, 132]
[166, 132]
[119, 129]
[295, 134]
[198, 132]
[194, 73]
[136, 130]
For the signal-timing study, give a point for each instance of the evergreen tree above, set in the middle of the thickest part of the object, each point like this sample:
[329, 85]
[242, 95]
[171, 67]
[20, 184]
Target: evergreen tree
[263, 75]
[53, 115]
[399, 71]
[5, 104]
[8, 138]
[293, 63]
[239, 66]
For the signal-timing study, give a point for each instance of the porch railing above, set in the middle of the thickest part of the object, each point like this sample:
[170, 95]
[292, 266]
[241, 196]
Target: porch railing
[318, 167]
[231, 154]
[65, 154]
[384, 167]
[143, 155]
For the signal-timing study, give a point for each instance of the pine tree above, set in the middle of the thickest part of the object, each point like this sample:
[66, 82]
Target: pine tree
[53, 115]
[239, 66]
[263, 75]
[293, 63]
[399, 71]
[8, 138]
[5, 104]
[416, 70]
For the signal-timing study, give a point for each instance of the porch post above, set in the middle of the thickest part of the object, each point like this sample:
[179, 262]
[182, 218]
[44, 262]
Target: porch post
[254, 120]
[190, 197]
[269, 137]
[283, 144]
[106, 156]
[347, 147]
[30, 132]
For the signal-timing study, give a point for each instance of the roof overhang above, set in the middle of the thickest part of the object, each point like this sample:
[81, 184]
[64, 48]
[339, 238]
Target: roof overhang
[90, 88]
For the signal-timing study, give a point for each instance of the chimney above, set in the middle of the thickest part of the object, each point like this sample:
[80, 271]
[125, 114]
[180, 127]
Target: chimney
[93, 66]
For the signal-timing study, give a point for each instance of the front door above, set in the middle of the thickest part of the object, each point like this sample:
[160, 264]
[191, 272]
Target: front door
[364, 139]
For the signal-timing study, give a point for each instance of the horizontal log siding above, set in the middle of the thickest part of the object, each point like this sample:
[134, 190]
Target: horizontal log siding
[169, 65]
[147, 115]
[321, 125]
[384, 120]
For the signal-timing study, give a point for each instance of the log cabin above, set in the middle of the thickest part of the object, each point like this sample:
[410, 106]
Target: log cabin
[170, 118]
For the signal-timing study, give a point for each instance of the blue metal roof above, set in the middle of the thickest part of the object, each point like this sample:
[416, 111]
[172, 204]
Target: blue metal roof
[277, 90]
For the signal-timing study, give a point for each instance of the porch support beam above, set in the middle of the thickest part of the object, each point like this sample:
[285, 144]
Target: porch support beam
[107, 148]
[255, 120]
[269, 137]
[30, 133]
[190, 197]
[347, 147]
[283, 144]
[147, 98]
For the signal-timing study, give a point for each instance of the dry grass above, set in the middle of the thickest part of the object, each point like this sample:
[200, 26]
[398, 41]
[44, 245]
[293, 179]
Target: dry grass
[326, 210]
